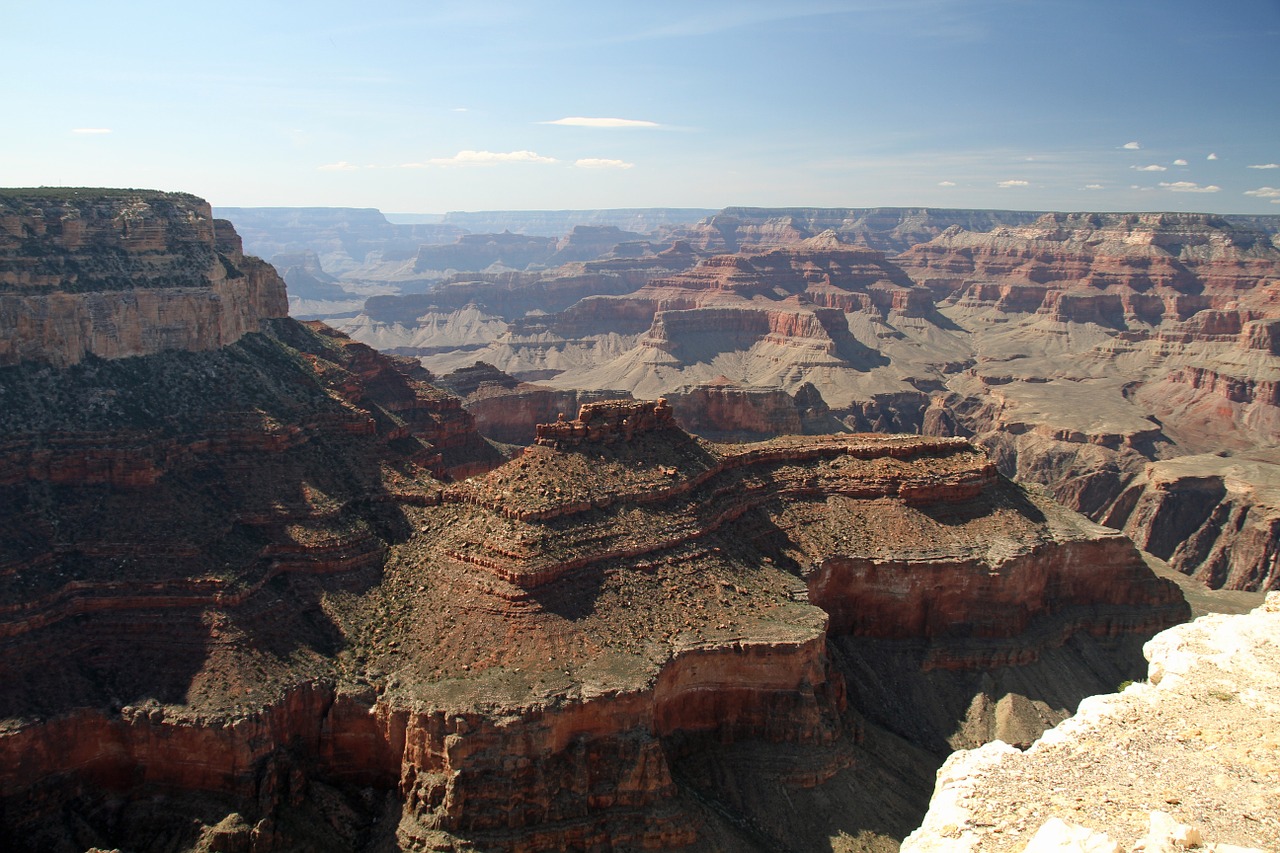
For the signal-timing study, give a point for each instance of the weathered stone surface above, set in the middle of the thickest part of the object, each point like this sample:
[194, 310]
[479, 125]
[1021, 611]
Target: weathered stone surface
[122, 274]
[1186, 760]
[241, 605]
[544, 648]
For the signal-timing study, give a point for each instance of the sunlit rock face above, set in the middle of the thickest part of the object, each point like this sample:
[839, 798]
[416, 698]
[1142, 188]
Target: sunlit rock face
[1077, 349]
[121, 274]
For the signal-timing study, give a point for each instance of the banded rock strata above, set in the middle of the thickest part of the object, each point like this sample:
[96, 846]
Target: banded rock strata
[133, 273]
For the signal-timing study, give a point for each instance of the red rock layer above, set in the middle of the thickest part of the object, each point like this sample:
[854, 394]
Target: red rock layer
[1148, 268]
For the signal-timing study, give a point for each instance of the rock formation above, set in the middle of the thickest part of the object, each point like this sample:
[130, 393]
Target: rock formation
[1082, 351]
[247, 601]
[1106, 343]
[1185, 760]
[134, 273]
[573, 650]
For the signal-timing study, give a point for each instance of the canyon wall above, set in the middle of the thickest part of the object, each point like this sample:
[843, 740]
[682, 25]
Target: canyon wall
[1077, 349]
[311, 640]
[121, 275]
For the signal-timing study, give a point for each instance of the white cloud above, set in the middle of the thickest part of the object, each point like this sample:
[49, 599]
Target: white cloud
[1265, 192]
[1212, 157]
[461, 109]
[1093, 186]
[1179, 162]
[580, 121]
[946, 183]
[91, 130]
[340, 166]
[1189, 187]
[487, 158]
[1007, 184]
[1267, 166]
[1152, 168]
[1132, 146]
[597, 163]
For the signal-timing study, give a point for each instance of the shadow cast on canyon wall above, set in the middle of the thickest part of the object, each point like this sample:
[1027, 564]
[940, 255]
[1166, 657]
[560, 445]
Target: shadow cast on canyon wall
[215, 508]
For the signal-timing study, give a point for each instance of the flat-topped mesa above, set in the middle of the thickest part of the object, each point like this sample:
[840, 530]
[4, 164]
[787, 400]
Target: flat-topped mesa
[116, 273]
[608, 421]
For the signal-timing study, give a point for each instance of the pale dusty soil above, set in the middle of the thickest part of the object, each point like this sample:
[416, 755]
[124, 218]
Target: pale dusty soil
[1200, 742]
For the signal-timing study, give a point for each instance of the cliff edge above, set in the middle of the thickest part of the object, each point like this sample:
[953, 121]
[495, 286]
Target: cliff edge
[1190, 758]
[116, 273]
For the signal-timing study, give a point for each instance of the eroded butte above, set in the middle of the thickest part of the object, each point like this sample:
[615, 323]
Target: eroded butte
[273, 592]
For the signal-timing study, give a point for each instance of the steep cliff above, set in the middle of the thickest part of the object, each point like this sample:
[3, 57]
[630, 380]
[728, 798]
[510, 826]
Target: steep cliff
[285, 633]
[123, 273]
[1106, 343]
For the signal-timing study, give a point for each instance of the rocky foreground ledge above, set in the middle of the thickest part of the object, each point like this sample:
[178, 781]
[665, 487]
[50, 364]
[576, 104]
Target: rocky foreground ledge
[1190, 759]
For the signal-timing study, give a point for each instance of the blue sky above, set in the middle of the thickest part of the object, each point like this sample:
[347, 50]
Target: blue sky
[436, 106]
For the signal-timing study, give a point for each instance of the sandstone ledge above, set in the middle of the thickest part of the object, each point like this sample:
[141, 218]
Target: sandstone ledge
[123, 273]
[1198, 742]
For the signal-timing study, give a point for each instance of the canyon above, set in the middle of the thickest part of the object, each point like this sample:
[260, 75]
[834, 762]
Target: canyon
[264, 587]
[1126, 362]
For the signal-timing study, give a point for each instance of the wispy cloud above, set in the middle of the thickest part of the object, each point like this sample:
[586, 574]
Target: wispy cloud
[598, 163]
[1266, 166]
[1008, 184]
[1265, 192]
[340, 166]
[1212, 157]
[720, 18]
[946, 183]
[1093, 186]
[485, 158]
[1189, 187]
[583, 121]
[1132, 146]
[1154, 167]
[1179, 162]
[91, 130]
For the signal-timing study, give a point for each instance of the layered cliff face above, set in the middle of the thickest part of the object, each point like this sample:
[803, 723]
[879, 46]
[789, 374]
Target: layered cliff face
[121, 274]
[1077, 349]
[778, 319]
[284, 630]
[1105, 343]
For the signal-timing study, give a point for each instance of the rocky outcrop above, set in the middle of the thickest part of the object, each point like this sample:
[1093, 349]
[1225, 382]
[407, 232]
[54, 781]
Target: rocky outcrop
[315, 642]
[1185, 760]
[607, 421]
[1214, 518]
[121, 274]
